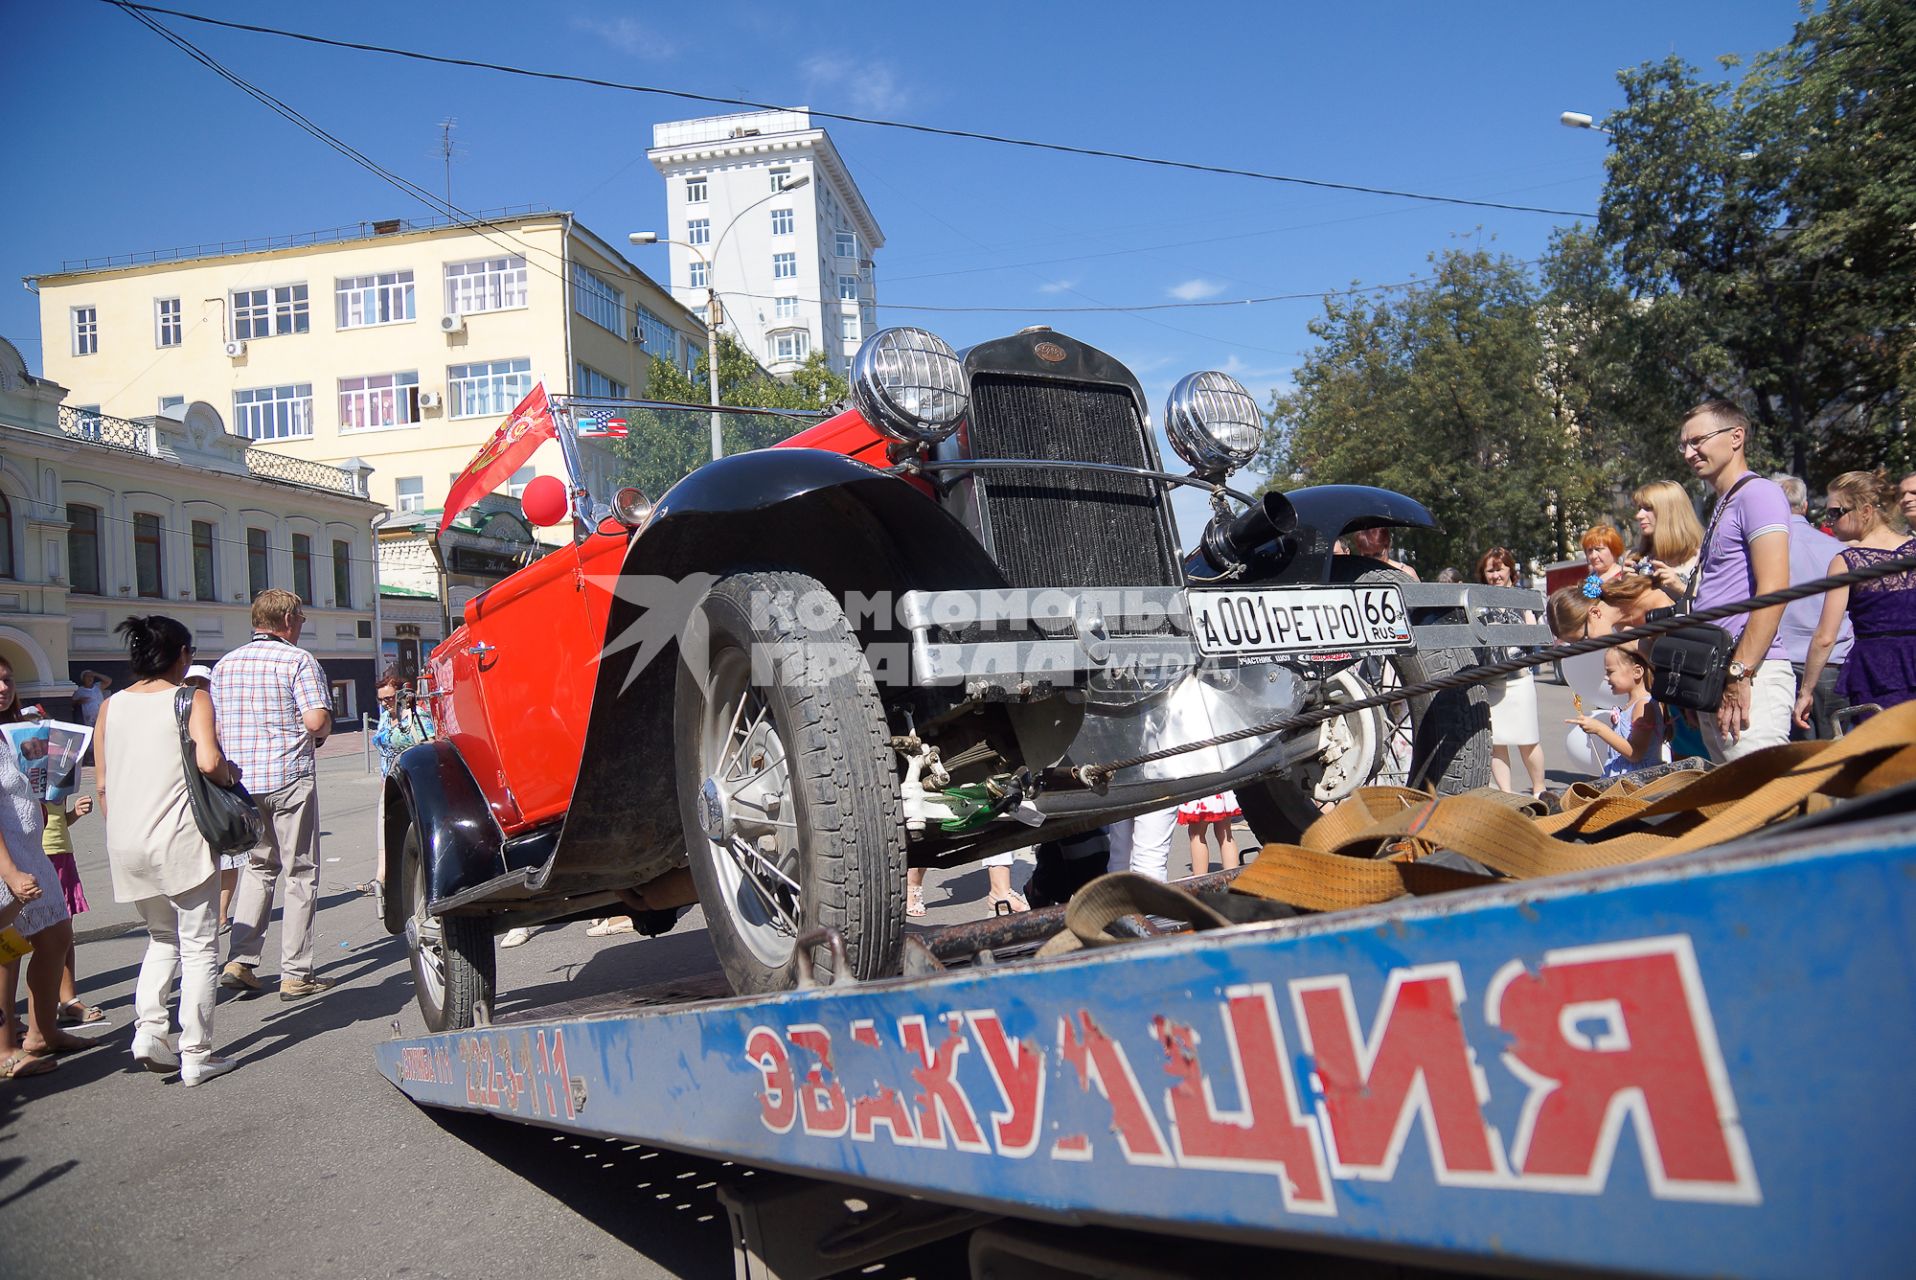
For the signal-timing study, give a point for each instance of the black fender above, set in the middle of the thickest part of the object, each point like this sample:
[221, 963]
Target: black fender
[461, 843]
[852, 526]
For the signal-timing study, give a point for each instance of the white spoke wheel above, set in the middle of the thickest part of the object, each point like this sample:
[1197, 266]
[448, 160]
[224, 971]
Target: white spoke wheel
[453, 969]
[1439, 741]
[786, 784]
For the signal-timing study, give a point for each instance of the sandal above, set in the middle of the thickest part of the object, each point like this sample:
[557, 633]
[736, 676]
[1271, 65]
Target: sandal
[1010, 904]
[915, 900]
[21, 1063]
[76, 1013]
[611, 925]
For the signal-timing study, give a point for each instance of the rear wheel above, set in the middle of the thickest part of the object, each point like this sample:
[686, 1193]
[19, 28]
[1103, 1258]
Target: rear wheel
[453, 969]
[786, 785]
[1437, 741]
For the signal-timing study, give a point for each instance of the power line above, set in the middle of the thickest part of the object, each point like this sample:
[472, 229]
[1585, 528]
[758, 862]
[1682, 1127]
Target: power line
[1032, 144]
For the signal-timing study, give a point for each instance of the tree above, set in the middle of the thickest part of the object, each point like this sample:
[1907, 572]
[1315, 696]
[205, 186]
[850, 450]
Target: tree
[1438, 392]
[663, 446]
[1762, 228]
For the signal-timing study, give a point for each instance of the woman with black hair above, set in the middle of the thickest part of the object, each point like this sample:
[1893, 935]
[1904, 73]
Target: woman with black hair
[161, 862]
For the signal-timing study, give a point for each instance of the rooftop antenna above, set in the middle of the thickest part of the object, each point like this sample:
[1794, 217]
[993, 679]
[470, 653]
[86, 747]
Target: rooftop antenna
[446, 149]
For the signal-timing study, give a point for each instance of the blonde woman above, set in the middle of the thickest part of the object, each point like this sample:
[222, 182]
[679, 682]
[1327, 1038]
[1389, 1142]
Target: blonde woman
[1670, 536]
[1881, 669]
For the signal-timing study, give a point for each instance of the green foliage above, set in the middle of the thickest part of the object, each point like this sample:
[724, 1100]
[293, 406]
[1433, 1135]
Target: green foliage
[663, 446]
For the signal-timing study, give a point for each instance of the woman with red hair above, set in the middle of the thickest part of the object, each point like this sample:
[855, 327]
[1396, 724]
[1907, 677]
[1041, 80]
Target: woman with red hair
[1603, 549]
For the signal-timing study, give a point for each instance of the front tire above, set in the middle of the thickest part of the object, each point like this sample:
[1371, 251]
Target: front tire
[786, 785]
[1440, 741]
[453, 961]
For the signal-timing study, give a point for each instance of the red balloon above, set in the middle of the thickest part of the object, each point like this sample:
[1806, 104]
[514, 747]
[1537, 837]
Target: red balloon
[544, 501]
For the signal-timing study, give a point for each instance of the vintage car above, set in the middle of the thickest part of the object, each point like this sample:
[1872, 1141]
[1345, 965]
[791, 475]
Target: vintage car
[903, 637]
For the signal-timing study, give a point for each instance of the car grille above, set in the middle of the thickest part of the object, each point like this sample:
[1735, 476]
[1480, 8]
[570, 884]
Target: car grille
[1069, 527]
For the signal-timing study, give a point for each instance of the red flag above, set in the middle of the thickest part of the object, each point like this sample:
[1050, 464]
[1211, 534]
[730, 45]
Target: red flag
[529, 426]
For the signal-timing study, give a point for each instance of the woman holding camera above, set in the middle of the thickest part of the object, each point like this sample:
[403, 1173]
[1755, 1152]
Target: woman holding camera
[1671, 536]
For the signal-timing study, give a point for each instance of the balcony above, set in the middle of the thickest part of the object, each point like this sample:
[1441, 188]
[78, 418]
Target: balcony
[143, 438]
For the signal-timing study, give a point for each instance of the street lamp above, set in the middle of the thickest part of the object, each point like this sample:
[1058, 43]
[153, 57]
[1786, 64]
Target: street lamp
[1579, 120]
[713, 316]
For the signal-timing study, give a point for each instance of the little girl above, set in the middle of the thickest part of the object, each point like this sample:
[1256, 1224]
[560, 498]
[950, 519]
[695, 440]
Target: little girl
[1634, 733]
[1213, 813]
[56, 841]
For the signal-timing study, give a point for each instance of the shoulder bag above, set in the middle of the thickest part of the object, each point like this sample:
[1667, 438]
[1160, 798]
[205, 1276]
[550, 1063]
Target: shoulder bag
[1690, 666]
[226, 816]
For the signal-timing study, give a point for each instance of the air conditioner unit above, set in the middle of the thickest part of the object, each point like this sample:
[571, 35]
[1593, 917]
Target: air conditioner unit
[452, 324]
[428, 399]
[236, 348]
[638, 335]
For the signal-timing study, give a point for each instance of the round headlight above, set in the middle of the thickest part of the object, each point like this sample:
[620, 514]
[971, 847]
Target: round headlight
[1212, 422]
[630, 507]
[909, 384]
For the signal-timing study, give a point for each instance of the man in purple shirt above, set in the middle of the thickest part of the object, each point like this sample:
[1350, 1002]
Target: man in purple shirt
[1746, 552]
[1811, 551]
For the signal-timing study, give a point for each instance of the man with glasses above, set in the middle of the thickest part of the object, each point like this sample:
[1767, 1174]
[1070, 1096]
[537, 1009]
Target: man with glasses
[1746, 552]
[271, 701]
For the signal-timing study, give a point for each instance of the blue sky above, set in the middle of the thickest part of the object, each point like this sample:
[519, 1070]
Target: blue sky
[118, 143]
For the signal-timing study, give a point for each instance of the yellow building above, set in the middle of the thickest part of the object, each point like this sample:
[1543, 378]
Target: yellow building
[398, 343]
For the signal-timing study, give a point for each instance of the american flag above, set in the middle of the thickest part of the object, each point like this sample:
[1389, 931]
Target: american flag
[601, 422]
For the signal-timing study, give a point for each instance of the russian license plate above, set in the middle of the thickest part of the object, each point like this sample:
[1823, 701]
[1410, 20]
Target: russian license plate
[1268, 620]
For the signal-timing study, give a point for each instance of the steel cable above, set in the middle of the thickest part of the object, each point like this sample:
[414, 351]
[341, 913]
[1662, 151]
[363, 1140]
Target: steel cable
[1096, 775]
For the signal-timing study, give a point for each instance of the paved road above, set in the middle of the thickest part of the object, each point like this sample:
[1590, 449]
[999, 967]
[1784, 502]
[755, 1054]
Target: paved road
[305, 1163]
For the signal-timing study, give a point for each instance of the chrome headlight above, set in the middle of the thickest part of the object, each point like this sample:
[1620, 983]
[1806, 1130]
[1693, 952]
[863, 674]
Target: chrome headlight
[1212, 422]
[909, 384]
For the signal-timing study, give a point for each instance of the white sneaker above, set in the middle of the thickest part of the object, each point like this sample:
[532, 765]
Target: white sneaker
[205, 1069]
[155, 1054]
[516, 938]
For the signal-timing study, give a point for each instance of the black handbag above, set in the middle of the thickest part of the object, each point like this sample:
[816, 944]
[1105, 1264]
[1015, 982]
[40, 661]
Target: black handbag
[1690, 667]
[226, 816]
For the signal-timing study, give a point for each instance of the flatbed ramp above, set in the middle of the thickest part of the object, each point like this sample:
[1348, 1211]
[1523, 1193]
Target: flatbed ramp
[1691, 1067]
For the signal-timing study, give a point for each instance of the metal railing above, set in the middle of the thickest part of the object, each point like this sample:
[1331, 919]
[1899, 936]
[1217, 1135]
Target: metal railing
[112, 433]
[268, 465]
[296, 240]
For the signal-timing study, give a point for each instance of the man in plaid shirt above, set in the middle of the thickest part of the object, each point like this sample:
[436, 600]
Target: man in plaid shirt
[271, 701]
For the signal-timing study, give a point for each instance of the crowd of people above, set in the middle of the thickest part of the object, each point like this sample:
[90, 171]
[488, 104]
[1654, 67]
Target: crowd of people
[254, 718]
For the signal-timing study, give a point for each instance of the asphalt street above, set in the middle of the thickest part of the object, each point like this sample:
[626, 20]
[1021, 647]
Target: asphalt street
[304, 1162]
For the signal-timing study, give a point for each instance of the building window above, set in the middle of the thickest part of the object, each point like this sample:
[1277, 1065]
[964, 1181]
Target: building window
[386, 298]
[146, 556]
[303, 567]
[655, 335]
[378, 401]
[698, 231]
[783, 222]
[846, 244]
[695, 191]
[791, 345]
[256, 563]
[487, 284]
[204, 586]
[848, 288]
[848, 328]
[785, 308]
[516, 487]
[495, 386]
[598, 299]
[6, 538]
[784, 266]
[698, 275]
[86, 331]
[409, 493]
[587, 381]
[269, 313]
[171, 402]
[83, 548]
[342, 573]
[690, 353]
[274, 413]
[167, 329]
[780, 175]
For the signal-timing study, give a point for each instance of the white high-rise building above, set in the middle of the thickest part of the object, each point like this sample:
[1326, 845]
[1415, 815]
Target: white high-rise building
[793, 268]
